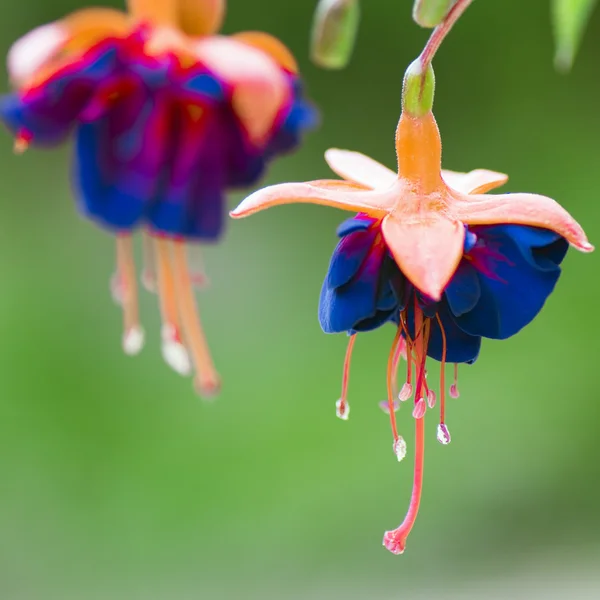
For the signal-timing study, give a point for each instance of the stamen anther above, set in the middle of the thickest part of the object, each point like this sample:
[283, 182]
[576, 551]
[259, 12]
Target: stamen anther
[443, 434]
[384, 405]
[406, 392]
[400, 449]
[420, 409]
[342, 409]
[431, 399]
[174, 352]
[133, 341]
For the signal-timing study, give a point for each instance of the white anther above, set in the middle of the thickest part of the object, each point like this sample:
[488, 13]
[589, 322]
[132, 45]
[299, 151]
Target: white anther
[443, 435]
[342, 410]
[133, 341]
[400, 449]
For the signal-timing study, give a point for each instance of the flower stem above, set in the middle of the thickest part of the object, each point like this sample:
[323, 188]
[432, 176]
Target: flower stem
[441, 31]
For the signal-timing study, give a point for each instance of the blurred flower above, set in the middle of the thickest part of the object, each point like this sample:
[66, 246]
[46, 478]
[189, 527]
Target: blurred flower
[430, 252]
[167, 116]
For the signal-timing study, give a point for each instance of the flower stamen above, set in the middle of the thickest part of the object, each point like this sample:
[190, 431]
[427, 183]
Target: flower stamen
[395, 541]
[392, 361]
[342, 408]
[149, 269]
[133, 334]
[173, 349]
[454, 393]
[207, 382]
[406, 391]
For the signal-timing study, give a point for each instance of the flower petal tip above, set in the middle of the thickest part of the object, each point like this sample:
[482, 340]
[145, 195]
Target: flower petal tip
[585, 247]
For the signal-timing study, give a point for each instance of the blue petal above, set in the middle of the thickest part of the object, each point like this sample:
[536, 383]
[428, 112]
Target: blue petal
[354, 224]
[50, 110]
[463, 291]
[119, 161]
[515, 292]
[460, 346]
[348, 256]
[343, 308]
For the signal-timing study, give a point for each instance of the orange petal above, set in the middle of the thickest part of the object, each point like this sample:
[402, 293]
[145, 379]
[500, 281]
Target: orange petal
[478, 181]
[260, 87]
[520, 209]
[200, 17]
[156, 12]
[361, 169]
[271, 46]
[427, 252]
[339, 194]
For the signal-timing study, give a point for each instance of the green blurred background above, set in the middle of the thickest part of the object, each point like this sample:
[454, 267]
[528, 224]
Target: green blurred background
[117, 482]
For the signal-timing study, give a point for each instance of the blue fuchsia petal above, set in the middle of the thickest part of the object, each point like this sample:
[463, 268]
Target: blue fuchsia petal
[517, 268]
[157, 139]
[464, 290]
[460, 346]
[49, 110]
[120, 158]
[359, 291]
[500, 285]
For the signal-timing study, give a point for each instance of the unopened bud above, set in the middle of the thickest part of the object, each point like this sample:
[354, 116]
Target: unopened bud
[430, 13]
[335, 27]
[418, 90]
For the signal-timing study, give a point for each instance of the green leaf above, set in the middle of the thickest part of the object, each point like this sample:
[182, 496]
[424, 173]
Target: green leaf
[570, 18]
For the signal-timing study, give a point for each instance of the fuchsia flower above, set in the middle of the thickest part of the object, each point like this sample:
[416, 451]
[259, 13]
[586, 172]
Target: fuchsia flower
[430, 252]
[167, 116]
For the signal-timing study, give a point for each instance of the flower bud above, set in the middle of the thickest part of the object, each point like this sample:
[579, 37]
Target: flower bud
[334, 32]
[418, 90]
[430, 13]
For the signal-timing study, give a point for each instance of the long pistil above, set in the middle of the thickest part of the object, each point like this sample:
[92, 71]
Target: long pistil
[395, 541]
[207, 380]
[173, 349]
[133, 334]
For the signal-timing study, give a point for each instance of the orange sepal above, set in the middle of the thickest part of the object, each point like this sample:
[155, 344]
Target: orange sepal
[338, 194]
[520, 209]
[427, 252]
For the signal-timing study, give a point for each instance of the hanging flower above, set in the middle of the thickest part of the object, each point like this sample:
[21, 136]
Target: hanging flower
[167, 116]
[430, 252]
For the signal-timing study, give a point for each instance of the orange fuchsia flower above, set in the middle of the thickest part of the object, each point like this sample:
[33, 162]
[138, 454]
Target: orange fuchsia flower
[167, 117]
[431, 252]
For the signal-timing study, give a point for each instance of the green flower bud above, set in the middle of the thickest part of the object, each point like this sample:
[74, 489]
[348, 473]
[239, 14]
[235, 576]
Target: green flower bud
[418, 90]
[334, 32]
[430, 13]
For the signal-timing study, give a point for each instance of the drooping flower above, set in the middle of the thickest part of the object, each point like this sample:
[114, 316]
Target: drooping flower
[166, 116]
[432, 253]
